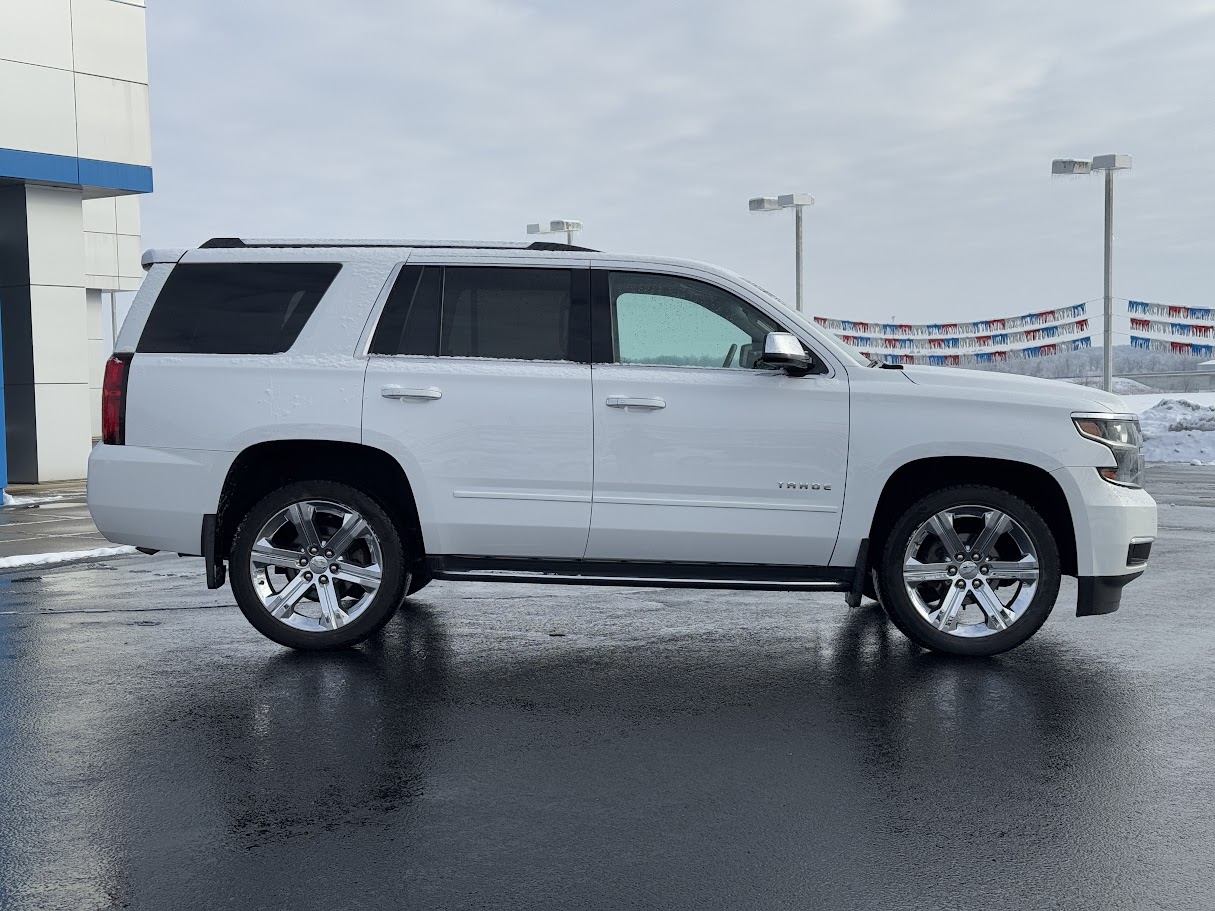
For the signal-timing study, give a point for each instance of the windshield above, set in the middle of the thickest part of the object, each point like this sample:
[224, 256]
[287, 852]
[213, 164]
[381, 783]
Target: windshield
[854, 353]
[842, 350]
[839, 346]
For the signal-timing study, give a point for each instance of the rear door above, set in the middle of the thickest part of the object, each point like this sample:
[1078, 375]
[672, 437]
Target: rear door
[479, 382]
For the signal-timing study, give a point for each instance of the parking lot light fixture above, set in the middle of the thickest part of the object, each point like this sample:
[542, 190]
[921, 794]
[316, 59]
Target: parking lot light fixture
[558, 225]
[797, 202]
[1067, 167]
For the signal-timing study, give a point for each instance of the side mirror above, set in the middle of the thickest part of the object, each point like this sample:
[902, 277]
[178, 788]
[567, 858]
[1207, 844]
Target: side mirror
[782, 349]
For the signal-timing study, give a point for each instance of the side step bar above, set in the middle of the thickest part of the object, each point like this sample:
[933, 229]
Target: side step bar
[643, 575]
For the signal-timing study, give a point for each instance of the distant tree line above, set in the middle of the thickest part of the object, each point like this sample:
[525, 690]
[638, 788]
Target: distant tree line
[1087, 363]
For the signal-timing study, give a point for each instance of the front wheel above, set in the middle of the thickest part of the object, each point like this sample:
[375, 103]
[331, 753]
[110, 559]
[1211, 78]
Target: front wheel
[318, 565]
[969, 570]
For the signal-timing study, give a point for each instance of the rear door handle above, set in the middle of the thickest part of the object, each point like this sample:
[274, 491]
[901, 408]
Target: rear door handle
[644, 403]
[400, 392]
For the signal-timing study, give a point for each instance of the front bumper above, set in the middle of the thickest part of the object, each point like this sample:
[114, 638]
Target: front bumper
[1101, 594]
[1114, 528]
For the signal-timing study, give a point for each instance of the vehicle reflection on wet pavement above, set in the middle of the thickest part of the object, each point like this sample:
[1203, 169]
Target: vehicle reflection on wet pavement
[544, 746]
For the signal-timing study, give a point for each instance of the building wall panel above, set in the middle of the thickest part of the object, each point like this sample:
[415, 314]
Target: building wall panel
[101, 257]
[59, 335]
[100, 215]
[37, 109]
[62, 416]
[129, 256]
[108, 40]
[113, 120]
[55, 226]
[38, 32]
[126, 215]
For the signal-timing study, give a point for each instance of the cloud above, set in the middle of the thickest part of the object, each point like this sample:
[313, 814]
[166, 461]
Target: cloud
[924, 130]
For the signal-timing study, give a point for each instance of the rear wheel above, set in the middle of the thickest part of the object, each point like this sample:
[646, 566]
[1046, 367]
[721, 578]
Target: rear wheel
[317, 565]
[970, 571]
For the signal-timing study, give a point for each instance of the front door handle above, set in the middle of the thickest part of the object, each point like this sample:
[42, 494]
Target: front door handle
[643, 403]
[400, 392]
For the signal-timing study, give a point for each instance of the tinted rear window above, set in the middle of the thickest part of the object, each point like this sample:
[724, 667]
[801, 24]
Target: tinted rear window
[235, 308]
[506, 313]
[478, 311]
[410, 322]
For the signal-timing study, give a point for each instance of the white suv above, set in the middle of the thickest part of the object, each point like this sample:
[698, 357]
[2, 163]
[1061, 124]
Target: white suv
[340, 422]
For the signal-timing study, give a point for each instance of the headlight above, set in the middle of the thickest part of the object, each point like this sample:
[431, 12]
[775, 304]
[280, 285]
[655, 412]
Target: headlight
[1122, 436]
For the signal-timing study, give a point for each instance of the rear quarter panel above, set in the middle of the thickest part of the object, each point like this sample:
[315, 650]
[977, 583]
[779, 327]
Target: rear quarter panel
[189, 415]
[229, 402]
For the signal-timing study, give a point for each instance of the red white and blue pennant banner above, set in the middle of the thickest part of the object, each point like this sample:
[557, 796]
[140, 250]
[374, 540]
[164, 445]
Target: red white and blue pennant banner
[1197, 330]
[1160, 344]
[996, 339]
[1147, 309]
[1171, 327]
[982, 327]
[927, 343]
[982, 357]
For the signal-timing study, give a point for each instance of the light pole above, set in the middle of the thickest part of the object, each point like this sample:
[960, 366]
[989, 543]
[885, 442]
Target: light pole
[1109, 164]
[796, 202]
[556, 226]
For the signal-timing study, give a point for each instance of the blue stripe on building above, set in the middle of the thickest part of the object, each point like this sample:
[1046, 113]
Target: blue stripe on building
[65, 170]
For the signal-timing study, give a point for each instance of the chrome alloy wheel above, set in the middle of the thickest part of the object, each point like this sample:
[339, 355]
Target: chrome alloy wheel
[971, 571]
[316, 565]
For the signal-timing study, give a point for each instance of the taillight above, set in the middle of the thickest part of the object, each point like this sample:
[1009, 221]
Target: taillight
[114, 400]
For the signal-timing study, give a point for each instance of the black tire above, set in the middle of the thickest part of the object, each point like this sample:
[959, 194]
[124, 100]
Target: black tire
[386, 600]
[898, 603]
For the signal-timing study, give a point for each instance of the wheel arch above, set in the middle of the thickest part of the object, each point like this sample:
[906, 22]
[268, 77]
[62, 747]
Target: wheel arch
[267, 466]
[1029, 482]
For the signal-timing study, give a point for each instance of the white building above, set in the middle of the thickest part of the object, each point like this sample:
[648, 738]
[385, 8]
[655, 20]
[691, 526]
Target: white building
[75, 150]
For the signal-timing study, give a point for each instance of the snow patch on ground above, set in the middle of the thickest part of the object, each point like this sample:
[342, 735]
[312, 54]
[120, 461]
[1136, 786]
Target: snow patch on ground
[1179, 429]
[20, 562]
[1141, 403]
[10, 500]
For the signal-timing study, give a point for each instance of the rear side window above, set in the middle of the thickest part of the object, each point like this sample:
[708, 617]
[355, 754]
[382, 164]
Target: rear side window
[480, 311]
[410, 322]
[235, 308]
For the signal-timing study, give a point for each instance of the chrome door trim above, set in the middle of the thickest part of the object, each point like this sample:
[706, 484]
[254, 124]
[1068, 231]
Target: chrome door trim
[715, 504]
[517, 495]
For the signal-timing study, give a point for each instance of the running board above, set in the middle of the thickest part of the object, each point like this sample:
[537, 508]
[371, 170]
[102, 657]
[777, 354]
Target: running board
[643, 575]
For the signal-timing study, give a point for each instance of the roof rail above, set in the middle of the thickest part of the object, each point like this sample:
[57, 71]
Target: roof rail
[224, 243]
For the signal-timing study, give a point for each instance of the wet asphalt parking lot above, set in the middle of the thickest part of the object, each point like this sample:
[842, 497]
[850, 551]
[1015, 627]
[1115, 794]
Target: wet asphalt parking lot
[559, 747]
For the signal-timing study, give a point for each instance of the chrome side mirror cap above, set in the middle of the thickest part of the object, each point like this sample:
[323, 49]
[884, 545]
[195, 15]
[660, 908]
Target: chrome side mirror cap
[784, 350]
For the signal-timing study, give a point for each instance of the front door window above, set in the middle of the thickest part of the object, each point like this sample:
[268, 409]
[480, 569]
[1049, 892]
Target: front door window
[671, 321]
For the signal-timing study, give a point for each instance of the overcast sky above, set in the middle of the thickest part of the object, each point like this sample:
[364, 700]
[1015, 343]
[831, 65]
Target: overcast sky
[924, 129]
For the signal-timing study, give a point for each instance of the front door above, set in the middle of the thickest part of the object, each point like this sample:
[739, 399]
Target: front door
[478, 383]
[699, 455]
